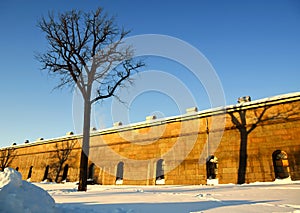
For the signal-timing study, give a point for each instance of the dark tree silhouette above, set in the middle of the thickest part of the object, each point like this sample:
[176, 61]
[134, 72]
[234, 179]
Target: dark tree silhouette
[85, 48]
[238, 118]
[62, 154]
[245, 129]
[6, 157]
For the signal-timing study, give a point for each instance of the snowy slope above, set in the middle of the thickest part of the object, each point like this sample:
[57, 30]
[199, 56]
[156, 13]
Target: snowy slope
[19, 196]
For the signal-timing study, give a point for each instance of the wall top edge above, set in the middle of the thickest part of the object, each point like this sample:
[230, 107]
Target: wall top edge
[284, 98]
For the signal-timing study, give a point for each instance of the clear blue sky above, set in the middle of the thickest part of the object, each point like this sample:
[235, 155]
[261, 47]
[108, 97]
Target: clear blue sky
[254, 47]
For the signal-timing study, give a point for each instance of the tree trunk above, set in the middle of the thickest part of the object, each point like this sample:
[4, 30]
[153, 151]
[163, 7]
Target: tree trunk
[85, 147]
[243, 156]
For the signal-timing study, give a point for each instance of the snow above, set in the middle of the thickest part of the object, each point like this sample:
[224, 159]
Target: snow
[19, 196]
[277, 196]
[260, 197]
[160, 182]
[212, 182]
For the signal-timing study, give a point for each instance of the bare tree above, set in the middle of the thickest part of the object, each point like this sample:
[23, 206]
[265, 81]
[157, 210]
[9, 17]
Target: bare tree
[84, 49]
[62, 154]
[6, 157]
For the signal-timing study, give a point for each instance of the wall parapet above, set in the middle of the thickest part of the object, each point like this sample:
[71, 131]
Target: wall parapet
[284, 98]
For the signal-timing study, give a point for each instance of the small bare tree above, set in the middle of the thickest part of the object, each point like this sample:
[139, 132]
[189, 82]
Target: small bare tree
[85, 48]
[62, 154]
[6, 157]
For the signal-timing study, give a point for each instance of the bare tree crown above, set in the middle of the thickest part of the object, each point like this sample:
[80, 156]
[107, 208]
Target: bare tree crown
[85, 48]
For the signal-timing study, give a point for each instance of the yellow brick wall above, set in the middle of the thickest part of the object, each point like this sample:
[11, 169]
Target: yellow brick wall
[279, 130]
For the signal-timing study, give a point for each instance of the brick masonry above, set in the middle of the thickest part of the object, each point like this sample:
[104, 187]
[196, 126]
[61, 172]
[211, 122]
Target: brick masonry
[263, 126]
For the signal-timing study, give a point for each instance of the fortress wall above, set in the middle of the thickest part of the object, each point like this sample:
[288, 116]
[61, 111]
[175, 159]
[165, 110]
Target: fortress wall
[48, 153]
[264, 126]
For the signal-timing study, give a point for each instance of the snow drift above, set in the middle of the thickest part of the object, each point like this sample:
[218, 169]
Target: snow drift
[19, 196]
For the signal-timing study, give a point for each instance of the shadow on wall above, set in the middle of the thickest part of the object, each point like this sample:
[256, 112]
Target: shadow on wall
[61, 155]
[239, 119]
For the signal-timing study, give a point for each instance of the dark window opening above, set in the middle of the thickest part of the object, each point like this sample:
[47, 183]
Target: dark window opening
[46, 173]
[91, 171]
[120, 171]
[281, 164]
[29, 173]
[65, 173]
[91, 174]
[212, 167]
[17, 169]
[160, 174]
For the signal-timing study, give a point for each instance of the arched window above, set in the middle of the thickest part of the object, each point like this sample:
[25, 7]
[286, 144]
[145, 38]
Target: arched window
[281, 164]
[120, 173]
[212, 167]
[160, 173]
[46, 173]
[91, 171]
[17, 169]
[91, 174]
[29, 173]
[65, 173]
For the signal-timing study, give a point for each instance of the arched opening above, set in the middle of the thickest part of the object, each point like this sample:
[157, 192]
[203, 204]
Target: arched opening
[29, 173]
[65, 173]
[45, 178]
[17, 168]
[91, 174]
[120, 173]
[212, 170]
[281, 164]
[212, 167]
[160, 173]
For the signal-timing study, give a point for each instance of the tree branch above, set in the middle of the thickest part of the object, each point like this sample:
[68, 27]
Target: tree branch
[111, 90]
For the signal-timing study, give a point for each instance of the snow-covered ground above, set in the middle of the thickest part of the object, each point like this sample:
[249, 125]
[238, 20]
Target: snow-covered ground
[278, 196]
[260, 197]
